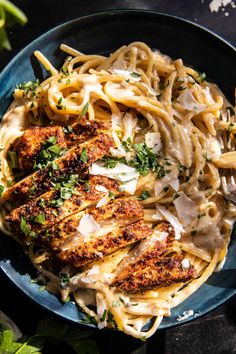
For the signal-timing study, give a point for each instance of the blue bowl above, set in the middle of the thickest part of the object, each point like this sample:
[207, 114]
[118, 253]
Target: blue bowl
[103, 33]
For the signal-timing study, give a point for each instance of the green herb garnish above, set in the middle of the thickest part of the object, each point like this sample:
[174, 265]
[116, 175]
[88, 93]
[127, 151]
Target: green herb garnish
[144, 195]
[135, 75]
[12, 159]
[84, 110]
[1, 189]
[25, 228]
[9, 16]
[83, 156]
[40, 218]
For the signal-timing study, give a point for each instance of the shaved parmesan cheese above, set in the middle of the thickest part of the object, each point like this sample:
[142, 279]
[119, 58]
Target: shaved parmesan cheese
[172, 220]
[160, 235]
[116, 121]
[93, 270]
[175, 184]
[101, 188]
[213, 148]
[119, 146]
[189, 102]
[129, 187]
[153, 141]
[208, 95]
[177, 114]
[185, 263]
[88, 226]
[186, 209]
[129, 124]
[120, 172]
[105, 200]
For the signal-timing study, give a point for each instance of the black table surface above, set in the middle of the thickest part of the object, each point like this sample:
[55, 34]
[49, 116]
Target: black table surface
[211, 333]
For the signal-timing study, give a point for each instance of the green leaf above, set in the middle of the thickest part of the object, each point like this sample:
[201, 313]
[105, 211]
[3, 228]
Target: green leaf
[85, 110]
[40, 218]
[1, 189]
[83, 156]
[23, 226]
[12, 159]
[18, 15]
[135, 75]
[144, 195]
[55, 149]
[9, 344]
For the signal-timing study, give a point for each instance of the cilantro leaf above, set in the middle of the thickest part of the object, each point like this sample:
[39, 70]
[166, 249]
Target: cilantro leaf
[25, 345]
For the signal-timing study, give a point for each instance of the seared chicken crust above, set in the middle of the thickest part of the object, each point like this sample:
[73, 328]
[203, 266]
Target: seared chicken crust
[31, 143]
[121, 211]
[157, 265]
[102, 246]
[84, 195]
[70, 163]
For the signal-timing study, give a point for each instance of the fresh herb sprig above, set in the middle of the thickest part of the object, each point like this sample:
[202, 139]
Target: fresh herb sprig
[50, 151]
[48, 331]
[9, 16]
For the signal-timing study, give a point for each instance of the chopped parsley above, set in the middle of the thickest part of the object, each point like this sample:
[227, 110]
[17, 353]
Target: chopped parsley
[12, 159]
[66, 193]
[83, 156]
[40, 219]
[111, 195]
[145, 160]
[144, 195]
[104, 315]
[25, 228]
[127, 144]
[135, 75]
[64, 279]
[50, 151]
[84, 110]
[1, 189]
[29, 86]
[182, 169]
[57, 202]
[111, 162]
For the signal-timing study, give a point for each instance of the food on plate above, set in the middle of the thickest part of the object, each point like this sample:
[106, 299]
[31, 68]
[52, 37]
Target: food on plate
[110, 181]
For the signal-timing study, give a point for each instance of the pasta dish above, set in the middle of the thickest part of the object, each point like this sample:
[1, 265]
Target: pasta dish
[110, 181]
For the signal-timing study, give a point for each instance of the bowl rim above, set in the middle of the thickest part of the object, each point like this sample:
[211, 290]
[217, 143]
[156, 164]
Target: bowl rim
[97, 14]
[116, 12]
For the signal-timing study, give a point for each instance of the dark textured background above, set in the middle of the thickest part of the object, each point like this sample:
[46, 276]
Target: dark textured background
[212, 333]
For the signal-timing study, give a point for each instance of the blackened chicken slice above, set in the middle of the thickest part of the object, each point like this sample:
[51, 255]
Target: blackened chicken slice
[30, 145]
[76, 228]
[55, 205]
[99, 247]
[74, 161]
[153, 263]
